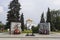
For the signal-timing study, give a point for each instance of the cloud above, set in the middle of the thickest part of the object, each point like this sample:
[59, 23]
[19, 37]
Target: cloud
[56, 2]
[30, 8]
[1, 9]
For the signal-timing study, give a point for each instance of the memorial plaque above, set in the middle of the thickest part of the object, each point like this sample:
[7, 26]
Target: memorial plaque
[15, 26]
[44, 28]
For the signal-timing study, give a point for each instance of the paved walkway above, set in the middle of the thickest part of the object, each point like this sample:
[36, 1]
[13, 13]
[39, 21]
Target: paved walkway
[52, 36]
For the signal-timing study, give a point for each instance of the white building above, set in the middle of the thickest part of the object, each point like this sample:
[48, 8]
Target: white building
[29, 24]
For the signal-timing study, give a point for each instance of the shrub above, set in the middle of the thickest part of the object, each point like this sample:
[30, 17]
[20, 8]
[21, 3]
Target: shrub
[35, 29]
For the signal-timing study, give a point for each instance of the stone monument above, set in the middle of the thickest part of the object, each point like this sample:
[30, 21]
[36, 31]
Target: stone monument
[44, 28]
[15, 28]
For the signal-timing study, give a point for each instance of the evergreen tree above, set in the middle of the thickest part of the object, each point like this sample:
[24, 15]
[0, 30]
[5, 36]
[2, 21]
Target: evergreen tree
[42, 18]
[57, 23]
[49, 19]
[13, 13]
[48, 16]
[22, 22]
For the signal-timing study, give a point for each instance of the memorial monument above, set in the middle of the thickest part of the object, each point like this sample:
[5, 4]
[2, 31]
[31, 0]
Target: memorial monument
[44, 27]
[15, 28]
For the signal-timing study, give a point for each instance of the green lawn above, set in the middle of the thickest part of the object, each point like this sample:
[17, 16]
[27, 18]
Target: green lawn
[25, 31]
[3, 31]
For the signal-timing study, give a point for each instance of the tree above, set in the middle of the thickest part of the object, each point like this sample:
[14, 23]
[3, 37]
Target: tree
[48, 16]
[52, 21]
[49, 19]
[55, 20]
[42, 18]
[57, 23]
[1, 25]
[13, 13]
[22, 22]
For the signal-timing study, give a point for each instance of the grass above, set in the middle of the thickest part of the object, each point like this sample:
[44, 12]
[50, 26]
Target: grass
[3, 31]
[27, 31]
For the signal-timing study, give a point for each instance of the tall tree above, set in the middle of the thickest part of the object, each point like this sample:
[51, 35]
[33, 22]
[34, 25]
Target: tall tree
[49, 19]
[48, 16]
[42, 18]
[22, 22]
[13, 13]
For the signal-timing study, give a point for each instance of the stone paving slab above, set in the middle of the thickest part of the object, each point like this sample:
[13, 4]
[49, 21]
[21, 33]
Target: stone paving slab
[52, 35]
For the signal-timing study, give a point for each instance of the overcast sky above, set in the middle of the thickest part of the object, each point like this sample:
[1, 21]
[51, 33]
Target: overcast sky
[31, 8]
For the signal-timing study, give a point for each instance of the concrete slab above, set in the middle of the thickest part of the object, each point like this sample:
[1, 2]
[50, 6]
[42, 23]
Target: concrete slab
[52, 36]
